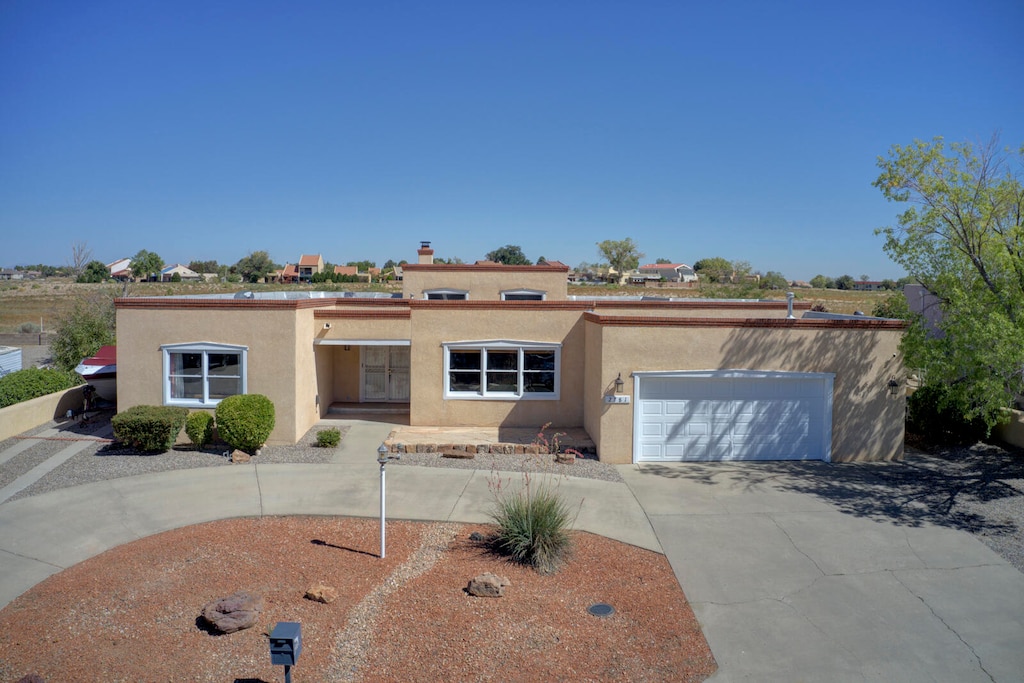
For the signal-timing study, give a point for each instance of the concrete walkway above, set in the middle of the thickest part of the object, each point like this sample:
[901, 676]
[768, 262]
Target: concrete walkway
[786, 587]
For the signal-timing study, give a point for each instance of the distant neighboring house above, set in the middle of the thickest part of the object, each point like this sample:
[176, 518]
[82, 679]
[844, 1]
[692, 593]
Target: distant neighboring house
[800, 284]
[184, 272]
[398, 273]
[121, 269]
[867, 285]
[672, 272]
[9, 274]
[290, 273]
[346, 270]
[310, 265]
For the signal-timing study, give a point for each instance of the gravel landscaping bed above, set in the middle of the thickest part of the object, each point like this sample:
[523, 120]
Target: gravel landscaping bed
[978, 489]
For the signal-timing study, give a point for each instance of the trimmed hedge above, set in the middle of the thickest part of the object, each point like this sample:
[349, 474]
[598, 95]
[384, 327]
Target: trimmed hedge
[199, 427]
[149, 428]
[245, 421]
[23, 385]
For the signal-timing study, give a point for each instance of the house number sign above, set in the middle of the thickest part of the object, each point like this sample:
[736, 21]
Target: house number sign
[616, 398]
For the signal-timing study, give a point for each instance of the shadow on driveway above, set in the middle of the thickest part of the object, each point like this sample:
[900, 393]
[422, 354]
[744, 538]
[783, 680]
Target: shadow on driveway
[948, 487]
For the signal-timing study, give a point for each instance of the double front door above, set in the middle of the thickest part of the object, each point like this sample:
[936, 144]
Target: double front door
[385, 371]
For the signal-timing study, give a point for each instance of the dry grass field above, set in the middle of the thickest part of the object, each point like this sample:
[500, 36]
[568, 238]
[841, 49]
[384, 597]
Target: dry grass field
[45, 301]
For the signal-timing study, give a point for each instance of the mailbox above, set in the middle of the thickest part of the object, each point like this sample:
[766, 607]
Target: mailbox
[286, 643]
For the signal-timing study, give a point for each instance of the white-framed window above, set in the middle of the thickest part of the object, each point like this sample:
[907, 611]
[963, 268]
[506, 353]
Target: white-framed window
[502, 370]
[446, 294]
[200, 374]
[524, 295]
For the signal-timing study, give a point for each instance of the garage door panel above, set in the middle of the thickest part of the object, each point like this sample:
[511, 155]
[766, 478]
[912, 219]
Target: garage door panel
[733, 418]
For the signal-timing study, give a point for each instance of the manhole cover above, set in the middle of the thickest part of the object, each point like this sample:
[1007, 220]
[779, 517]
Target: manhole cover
[601, 610]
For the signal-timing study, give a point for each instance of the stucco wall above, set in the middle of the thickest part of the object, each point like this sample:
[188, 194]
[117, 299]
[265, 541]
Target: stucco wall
[867, 422]
[27, 415]
[484, 283]
[438, 322]
[276, 363]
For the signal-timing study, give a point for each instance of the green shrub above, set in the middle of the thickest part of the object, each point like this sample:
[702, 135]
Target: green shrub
[931, 415]
[28, 328]
[245, 421]
[533, 525]
[199, 427]
[328, 438]
[22, 385]
[149, 428]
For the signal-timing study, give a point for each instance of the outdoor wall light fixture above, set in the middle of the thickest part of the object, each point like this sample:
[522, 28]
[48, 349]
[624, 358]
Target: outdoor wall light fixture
[893, 385]
[619, 384]
[327, 326]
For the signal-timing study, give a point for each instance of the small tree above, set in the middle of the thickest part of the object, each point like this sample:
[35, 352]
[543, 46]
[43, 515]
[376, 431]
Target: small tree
[80, 256]
[844, 282]
[622, 255]
[715, 269]
[822, 282]
[510, 254]
[255, 266]
[95, 271]
[81, 332]
[146, 264]
[773, 280]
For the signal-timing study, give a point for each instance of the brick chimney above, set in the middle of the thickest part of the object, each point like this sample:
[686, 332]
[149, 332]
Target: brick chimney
[425, 253]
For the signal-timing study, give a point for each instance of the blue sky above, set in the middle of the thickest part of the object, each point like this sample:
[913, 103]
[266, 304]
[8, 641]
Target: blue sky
[748, 130]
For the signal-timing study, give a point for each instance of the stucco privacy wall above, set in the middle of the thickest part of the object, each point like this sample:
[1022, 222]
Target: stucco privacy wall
[280, 364]
[867, 422]
[437, 322]
[484, 282]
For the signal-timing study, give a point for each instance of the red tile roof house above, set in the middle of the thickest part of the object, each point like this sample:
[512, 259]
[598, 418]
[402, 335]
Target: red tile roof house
[501, 346]
[310, 265]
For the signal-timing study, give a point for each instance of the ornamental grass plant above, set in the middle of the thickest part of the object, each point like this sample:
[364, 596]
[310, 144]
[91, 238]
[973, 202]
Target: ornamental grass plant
[534, 522]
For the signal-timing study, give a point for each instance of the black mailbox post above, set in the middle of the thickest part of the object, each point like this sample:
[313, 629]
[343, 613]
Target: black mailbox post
[286, 646]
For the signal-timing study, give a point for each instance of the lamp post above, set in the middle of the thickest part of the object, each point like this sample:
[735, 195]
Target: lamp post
[382, 458]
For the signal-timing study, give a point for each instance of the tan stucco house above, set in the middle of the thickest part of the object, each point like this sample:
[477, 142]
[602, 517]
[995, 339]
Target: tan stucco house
[506, 346]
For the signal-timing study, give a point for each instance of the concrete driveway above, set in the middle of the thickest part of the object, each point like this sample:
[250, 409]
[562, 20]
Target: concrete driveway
[793, 579]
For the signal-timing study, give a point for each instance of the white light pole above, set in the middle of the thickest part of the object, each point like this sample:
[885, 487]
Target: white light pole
[382, 458]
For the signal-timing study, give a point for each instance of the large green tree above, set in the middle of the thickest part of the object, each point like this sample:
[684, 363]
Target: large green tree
[146, 265]
[962, 237]
[713, 269]
[622, 255]
[254, 266]
[510, 255]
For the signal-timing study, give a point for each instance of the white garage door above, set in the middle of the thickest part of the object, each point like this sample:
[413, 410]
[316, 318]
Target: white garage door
[732, 415]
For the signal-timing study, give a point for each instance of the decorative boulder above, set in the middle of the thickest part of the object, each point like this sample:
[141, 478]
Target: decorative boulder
[240, 456]
[488, 586]
[322, 593]
[236, 612]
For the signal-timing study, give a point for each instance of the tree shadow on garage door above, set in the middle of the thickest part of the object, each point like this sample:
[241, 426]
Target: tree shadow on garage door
[979, 488]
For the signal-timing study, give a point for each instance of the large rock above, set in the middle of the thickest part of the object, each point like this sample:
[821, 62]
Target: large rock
[488, 586]
[322, 593]
[236, 612]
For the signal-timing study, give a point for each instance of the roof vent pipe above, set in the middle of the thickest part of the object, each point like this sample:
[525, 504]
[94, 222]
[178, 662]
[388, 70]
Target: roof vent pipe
[789, 306]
